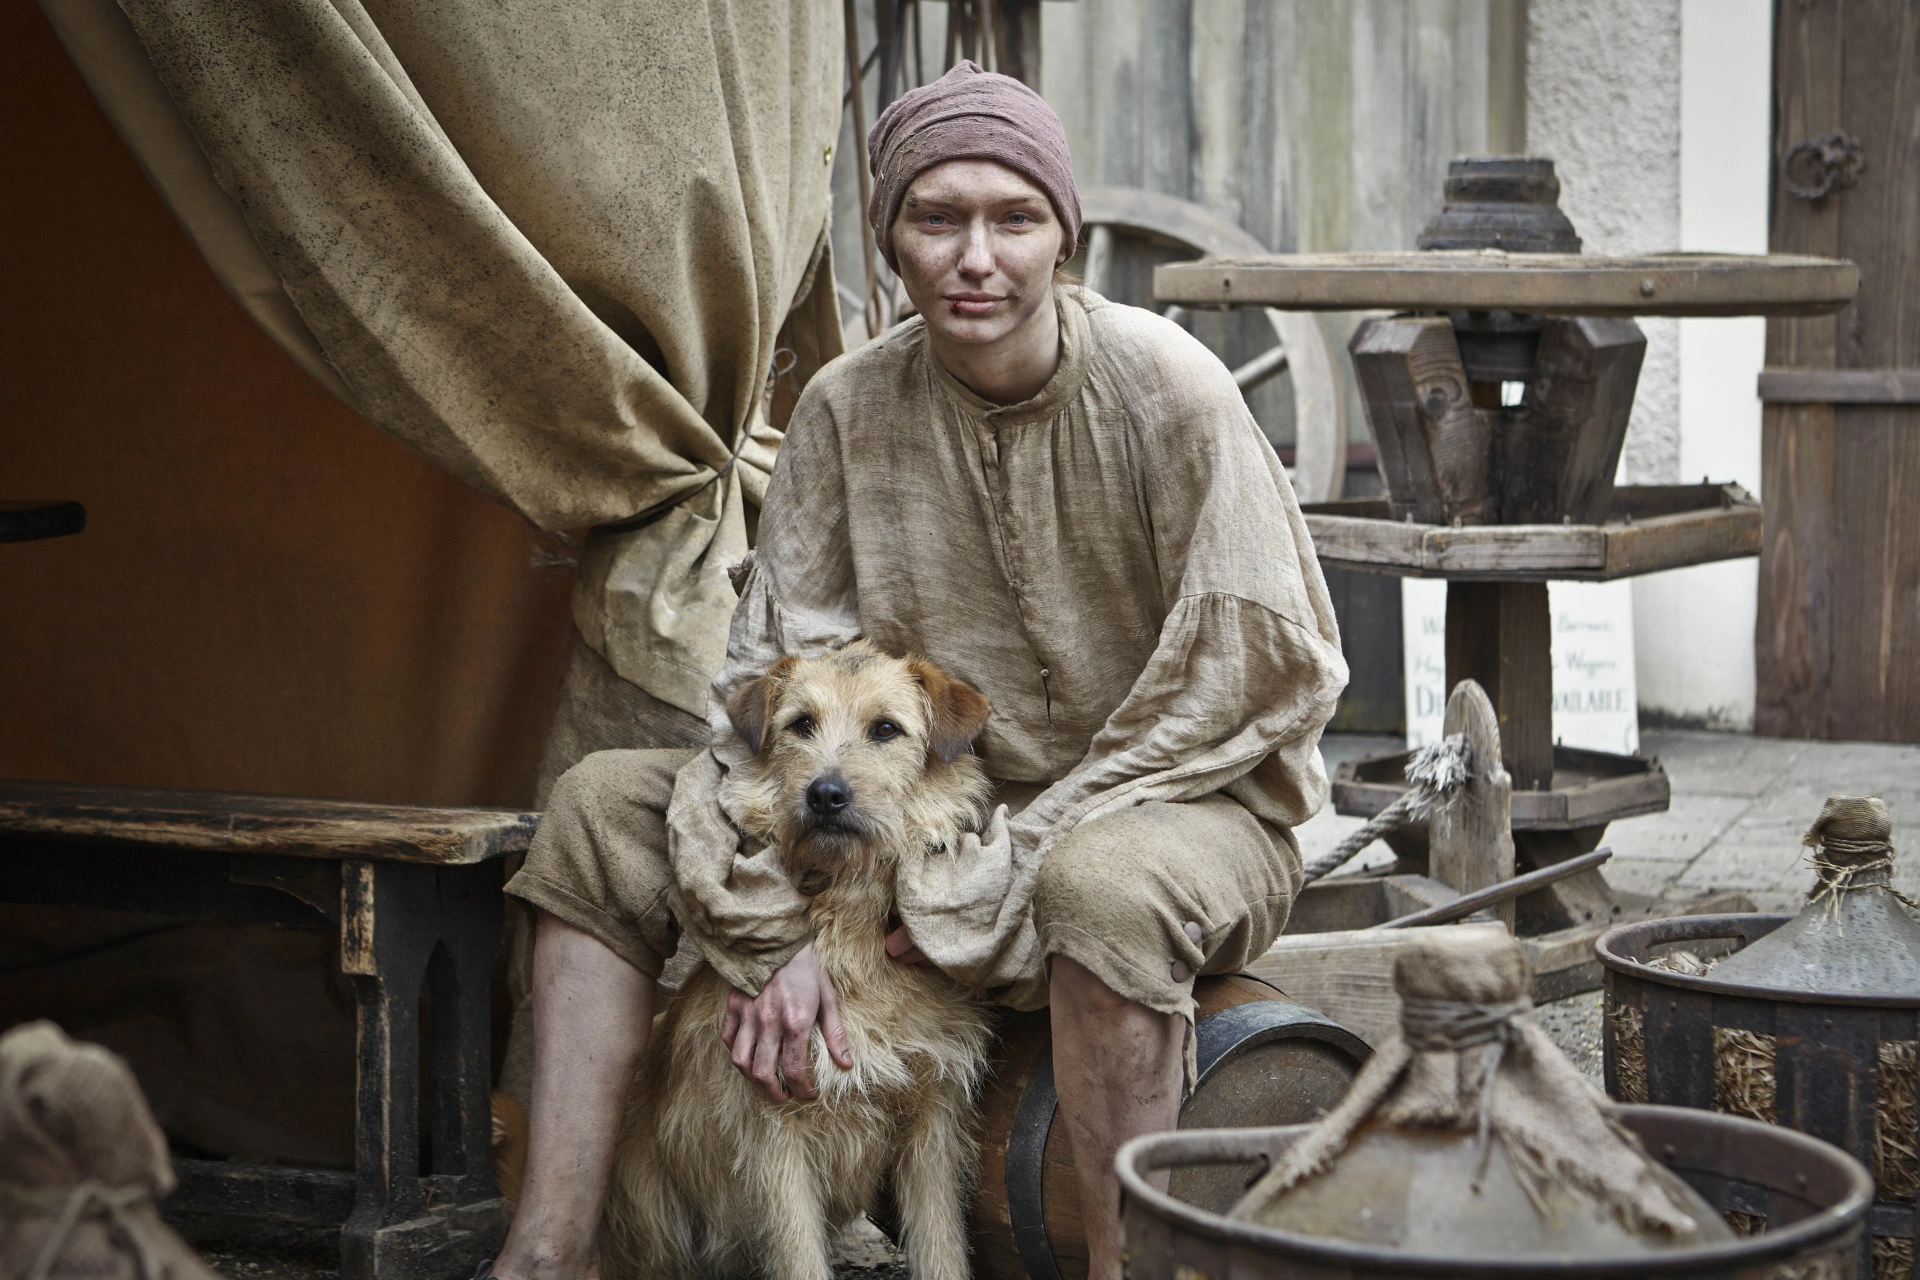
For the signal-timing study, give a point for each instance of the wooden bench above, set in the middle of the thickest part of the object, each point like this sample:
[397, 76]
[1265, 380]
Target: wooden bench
[415, 895]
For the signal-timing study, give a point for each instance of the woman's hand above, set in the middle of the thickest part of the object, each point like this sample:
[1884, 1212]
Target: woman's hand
[900, 947]
[769, 1033]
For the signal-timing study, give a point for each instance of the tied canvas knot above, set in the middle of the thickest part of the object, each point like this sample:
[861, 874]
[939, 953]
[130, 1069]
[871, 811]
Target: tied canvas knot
[70, 1206]
[1852, 843]
[84, 1164]
[1435, 772]
[1469, 1060]
[1455, 1026]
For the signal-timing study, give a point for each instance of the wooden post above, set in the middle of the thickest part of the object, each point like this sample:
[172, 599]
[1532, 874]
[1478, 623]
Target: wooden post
[1470, 839]
[1501, 634]
[1016, 40]
[1436, 449]
[405, 927]
[858, 94]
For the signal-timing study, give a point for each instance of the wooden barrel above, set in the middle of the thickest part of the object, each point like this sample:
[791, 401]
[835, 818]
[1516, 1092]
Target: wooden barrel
[1263, 1061]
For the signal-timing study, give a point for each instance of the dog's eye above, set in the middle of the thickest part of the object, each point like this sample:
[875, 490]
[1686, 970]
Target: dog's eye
[884, 731]
[801, 727]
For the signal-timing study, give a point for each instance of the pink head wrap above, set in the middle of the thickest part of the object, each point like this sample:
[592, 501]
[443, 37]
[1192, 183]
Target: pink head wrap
[968, 114]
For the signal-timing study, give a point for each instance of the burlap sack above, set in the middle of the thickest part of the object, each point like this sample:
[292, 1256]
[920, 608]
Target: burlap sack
[1470, 1060]
[81, 1164]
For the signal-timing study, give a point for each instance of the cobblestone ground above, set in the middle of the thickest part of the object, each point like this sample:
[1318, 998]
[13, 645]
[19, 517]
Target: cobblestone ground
[1739, 807]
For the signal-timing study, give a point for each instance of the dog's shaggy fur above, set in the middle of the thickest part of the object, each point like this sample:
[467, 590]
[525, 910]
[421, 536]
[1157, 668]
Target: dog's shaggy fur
[712, 1177]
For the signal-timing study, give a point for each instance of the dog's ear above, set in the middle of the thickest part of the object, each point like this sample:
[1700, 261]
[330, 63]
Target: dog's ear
[752, 703]
[959, 710]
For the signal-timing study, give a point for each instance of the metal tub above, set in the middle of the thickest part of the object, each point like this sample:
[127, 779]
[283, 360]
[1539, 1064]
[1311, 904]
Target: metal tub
[1813, 1200]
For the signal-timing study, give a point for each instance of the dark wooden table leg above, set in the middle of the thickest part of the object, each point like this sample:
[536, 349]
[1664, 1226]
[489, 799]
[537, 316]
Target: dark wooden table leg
[409, 928]
[1501, 634]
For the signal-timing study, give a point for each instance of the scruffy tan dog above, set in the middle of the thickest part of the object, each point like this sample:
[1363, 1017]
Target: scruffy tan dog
[861, 764]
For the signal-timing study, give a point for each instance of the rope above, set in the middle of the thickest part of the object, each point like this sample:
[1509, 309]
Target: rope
[1454, 1026]
[1837, 879]
[1853, 850]
[69, 1206]
[1435, 771]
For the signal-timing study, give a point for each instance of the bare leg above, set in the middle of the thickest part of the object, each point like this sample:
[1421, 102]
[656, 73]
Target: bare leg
[591, 1015]
[1118, 1068]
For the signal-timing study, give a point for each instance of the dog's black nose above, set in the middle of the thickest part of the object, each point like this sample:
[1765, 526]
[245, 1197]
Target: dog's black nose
[828, 796]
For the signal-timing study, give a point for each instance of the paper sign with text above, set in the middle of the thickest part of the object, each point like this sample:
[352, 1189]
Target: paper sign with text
[1595, 697]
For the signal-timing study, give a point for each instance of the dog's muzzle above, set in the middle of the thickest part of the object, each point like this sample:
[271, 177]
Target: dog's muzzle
[829, 809]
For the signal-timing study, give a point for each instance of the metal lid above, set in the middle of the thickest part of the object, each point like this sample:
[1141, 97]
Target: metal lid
[1855, 936]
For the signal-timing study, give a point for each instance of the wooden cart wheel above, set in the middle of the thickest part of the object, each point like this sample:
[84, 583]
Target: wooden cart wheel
[1319, 408]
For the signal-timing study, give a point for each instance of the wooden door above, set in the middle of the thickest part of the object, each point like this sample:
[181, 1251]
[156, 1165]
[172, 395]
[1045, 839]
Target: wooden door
[1838, 643]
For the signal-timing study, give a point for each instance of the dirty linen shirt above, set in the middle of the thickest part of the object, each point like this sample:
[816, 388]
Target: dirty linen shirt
[1119, 564]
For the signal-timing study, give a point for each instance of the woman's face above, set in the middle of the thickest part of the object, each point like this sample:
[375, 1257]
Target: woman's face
[977, 244]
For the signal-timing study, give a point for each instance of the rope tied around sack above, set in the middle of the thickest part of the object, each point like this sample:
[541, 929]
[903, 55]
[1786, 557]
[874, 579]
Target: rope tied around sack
[1469, 1060]
[1852, 840]
[1435, 772]
[71, 1206]
[82, 1161]
[1454, 1026]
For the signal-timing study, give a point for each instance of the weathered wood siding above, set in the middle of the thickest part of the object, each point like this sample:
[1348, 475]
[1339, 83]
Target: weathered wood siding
[1838, 642]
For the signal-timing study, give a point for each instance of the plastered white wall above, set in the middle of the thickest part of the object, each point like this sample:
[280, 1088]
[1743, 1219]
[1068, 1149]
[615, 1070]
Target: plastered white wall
[1694, 627]
[1603, 103]
[1656, 113]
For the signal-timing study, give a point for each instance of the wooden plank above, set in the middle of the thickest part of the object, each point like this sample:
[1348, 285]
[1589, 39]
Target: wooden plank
[1361, 542]
[1470, 838]
[1793, 652]
[222, 822]
[1346, 975]
[1363, 901]
[1016, 40]
[1695, 537]
[1645, 501]
[1537, 548]
[1725, 523]
[1400, 363]
[1538, 283]
[1874, 689]
[1840, 386]
[1558, 454]
[1876, 524]
[1599, 802]
[1840, 572]
[1500, 634]
[1609, 801]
